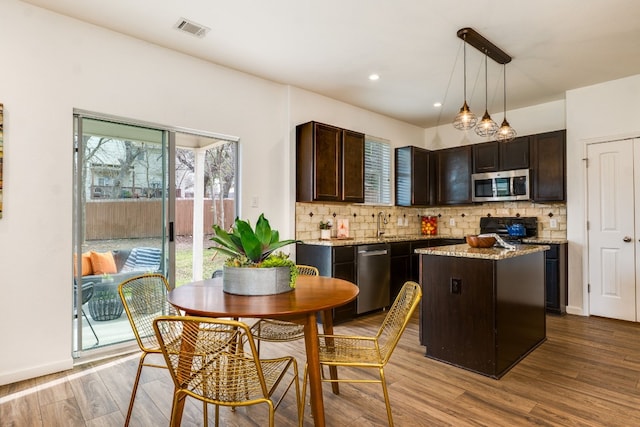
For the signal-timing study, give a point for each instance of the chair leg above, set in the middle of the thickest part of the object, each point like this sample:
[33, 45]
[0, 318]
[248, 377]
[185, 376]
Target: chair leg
[135, 388]
[304, 397]
[92, 330]
[386, 396]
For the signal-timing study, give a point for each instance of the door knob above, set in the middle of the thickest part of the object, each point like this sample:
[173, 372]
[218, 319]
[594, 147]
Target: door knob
[627, 239]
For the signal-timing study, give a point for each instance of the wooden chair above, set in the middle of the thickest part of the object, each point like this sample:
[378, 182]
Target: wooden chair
[279, 330]
[370, 352]
[144, 298]
[216, 361]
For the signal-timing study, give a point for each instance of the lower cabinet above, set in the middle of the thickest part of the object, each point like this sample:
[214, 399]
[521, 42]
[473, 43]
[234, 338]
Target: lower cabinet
[400, 270]
[555, 274]
[332, 261]
[556, 278]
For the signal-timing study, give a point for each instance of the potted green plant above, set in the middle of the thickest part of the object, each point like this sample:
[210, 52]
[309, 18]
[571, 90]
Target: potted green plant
[254, 267]
[325, 230]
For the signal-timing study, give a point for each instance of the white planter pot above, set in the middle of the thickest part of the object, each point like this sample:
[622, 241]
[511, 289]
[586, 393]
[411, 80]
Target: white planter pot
[325, 234]
[256, 281]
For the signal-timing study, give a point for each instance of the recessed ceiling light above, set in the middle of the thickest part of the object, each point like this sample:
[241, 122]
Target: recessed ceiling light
[374, 77]
[437, 104]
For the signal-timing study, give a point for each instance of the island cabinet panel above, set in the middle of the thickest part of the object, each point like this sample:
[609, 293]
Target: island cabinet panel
[483, 315]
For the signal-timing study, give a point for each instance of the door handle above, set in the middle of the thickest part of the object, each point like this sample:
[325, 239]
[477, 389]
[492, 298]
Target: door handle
[627, 239]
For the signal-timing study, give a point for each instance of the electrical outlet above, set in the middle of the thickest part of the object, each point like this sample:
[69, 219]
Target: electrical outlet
[452, 222]
[456, 286]
[553, 223]
[399, 221]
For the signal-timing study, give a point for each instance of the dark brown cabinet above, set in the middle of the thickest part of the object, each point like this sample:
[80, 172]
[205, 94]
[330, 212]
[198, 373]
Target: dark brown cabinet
[453, 171]
[482, 315]
[556, 278]
[486, 157]
[329, 164]
[548, 167]
[414, 180]
[400, 270]
[332, 261]
[501, 156]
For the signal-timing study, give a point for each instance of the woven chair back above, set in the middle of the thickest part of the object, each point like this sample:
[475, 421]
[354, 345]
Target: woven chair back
[212, 358]
[397, 318]
[145, 298]
[307, 270]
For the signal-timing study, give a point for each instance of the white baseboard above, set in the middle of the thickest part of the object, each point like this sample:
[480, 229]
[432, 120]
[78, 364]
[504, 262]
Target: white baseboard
[35, 371]
[575, 310]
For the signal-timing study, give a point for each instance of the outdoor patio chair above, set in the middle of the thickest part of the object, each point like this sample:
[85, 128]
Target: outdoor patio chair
[273, 330]
[144, 298]
[87, 293]
[209, 362]
[370, 352]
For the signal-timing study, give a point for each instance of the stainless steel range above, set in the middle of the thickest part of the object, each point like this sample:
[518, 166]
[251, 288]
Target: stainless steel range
[510, 228]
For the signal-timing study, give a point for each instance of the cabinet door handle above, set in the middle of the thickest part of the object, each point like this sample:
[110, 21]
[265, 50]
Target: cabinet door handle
[627, 239]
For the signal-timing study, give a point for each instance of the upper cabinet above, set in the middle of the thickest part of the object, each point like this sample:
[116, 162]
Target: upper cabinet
[501, 156]
[453, 171]
[413, 177]
[330, 164]
[548, 166]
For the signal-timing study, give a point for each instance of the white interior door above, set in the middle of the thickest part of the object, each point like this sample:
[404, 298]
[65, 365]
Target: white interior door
[611, 216]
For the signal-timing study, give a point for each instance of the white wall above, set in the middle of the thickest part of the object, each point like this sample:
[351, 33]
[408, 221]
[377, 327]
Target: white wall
[602, 112]
[52, 64]
[526, 121]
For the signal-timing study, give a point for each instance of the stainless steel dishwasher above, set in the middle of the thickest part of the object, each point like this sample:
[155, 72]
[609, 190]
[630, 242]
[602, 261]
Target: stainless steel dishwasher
[373, 277]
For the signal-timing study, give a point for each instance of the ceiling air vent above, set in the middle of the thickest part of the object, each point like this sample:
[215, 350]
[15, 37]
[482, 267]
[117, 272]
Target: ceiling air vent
[192, 28]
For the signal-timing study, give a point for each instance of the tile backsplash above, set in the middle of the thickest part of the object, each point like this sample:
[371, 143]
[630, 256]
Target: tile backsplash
[452, 220]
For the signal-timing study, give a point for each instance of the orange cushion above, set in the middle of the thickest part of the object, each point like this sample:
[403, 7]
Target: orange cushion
[103, 263]
[87, 269]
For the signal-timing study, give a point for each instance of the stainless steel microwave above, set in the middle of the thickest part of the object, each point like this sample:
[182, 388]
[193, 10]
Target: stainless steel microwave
[500, 186]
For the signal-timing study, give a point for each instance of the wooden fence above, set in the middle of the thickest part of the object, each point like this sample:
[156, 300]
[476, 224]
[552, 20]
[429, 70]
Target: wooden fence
[141, 218]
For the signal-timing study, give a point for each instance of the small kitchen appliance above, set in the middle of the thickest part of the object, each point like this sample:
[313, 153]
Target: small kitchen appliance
[500, 186]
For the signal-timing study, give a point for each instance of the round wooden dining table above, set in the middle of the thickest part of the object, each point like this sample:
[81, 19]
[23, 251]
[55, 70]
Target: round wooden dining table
[312, 295]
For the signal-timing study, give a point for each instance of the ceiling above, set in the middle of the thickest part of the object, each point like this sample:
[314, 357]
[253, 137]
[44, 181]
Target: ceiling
[331, 46]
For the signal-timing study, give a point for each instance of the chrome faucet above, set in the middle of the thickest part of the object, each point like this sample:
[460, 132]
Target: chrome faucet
[382, 220]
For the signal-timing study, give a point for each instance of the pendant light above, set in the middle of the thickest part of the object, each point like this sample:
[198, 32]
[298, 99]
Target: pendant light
[506, 133]
[486, 126]
[465, 119]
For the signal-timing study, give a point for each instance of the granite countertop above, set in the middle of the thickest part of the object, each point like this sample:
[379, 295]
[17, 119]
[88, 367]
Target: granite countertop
[466, 251]
[371, 240]
[544, 241]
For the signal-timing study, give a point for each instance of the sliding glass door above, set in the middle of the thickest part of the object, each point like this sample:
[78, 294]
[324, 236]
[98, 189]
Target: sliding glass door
[121, 195]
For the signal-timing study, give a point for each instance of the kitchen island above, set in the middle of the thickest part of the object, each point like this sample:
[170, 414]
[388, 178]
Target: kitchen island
[482, 309]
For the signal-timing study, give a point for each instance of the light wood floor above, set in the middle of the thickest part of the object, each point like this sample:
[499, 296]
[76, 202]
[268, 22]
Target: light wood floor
[587, 373]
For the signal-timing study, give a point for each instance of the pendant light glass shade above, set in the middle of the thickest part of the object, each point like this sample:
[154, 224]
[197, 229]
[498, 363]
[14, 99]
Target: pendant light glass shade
[486, 126]
[465, 119]
[506, 133]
